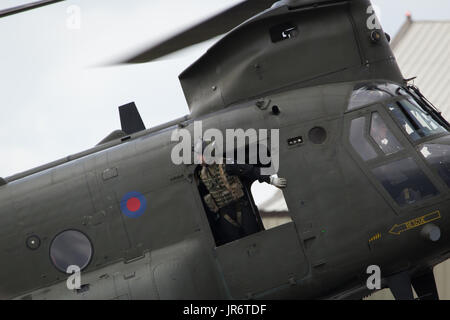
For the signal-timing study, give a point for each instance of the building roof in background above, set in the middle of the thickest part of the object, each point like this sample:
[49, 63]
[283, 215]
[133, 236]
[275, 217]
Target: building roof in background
[422, 49]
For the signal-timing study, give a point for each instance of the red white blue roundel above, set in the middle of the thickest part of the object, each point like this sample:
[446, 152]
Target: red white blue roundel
[133, 204]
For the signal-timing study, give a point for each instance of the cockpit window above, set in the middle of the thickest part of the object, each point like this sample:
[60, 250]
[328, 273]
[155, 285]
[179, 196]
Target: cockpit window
[405, 181]
[368, 93]
[359, 141]
[383, 136]
[438, 156]
[414, 120]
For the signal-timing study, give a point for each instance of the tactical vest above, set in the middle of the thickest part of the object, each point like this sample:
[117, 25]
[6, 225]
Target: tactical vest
[223, 188]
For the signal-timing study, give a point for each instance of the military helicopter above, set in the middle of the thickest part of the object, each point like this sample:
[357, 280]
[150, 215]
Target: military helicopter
[365, 154]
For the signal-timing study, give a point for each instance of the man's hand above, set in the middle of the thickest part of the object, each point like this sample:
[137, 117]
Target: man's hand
[278, 182]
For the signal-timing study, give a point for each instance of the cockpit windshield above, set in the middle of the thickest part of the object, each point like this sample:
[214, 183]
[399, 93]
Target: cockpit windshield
[414, 120]
[368, 93]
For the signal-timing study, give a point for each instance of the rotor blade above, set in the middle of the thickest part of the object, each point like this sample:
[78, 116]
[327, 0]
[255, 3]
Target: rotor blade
[212, 27]
[26, 7]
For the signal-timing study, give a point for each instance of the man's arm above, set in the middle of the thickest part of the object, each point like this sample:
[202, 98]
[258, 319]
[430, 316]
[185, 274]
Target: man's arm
[252, 173]
[246, 171]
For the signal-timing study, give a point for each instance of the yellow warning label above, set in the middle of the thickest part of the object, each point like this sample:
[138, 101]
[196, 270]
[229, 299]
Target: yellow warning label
[414, 223]
[375, 237]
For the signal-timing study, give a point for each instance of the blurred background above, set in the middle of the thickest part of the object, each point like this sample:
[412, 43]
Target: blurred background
[60, 91]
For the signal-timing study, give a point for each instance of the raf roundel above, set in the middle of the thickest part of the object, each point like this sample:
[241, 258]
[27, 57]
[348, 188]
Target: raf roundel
[133, 204]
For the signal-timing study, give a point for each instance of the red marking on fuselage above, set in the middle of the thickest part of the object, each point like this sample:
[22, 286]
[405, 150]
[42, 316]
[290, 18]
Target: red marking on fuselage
[133, 204]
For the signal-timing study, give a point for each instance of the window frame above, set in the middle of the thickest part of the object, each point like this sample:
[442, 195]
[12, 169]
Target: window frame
[372, 139]
[432, 167]
[408, 151]
[412, 158]
[408, 136]
[398, 134]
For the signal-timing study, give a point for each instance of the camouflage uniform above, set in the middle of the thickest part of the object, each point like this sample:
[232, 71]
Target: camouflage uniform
[226, 198]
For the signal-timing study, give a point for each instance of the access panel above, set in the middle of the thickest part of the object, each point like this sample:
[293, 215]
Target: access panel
[268, 260]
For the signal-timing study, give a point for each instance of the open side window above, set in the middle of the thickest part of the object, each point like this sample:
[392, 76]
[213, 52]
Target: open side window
[232, 219]
[268, 200]
[271, 205]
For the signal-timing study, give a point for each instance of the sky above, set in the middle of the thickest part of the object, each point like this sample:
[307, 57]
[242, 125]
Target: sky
[57, 100]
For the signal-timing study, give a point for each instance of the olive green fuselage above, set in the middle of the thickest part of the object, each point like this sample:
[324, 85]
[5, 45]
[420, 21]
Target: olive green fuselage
[342, 217]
